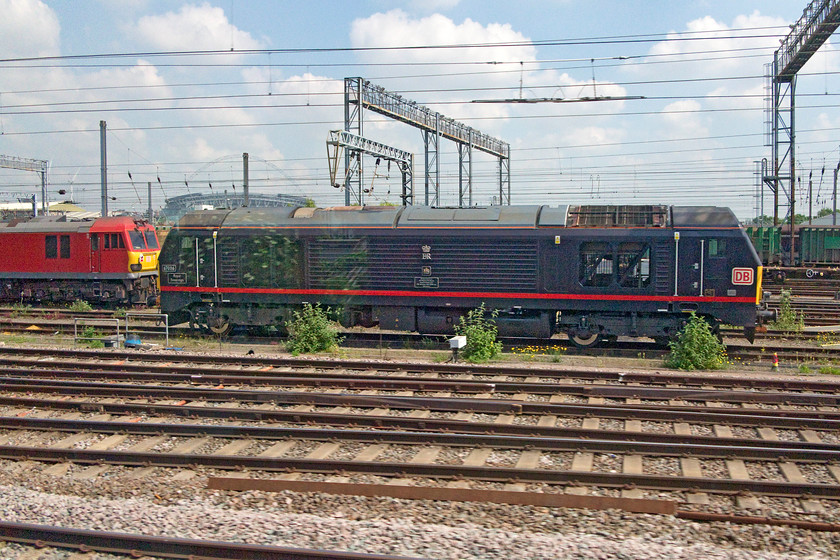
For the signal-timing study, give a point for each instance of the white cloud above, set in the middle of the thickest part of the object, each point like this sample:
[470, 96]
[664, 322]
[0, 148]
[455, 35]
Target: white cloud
[708, 47]
[396, 28]
[509, 57]
[680, 119]
[28, 28]
[726, 97]
[193, 28]
[201, 150]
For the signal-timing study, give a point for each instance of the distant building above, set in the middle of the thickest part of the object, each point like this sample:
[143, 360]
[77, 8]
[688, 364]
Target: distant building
[17, 210]
[179, 205]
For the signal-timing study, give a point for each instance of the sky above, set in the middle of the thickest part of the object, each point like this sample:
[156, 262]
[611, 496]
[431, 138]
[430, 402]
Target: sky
[185, 88]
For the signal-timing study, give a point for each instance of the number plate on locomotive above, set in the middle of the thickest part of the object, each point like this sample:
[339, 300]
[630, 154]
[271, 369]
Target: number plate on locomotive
[176, 279]
[426, 282]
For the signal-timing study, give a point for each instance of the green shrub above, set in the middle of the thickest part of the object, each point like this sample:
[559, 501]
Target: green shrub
[788, 319]
[19, 309]
[80, 305]
[312, 331]
[696, 347]
[481, 335]
[91, 338]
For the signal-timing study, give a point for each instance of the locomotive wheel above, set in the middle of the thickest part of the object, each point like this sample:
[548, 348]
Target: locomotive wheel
[220, 326]
[589, 340]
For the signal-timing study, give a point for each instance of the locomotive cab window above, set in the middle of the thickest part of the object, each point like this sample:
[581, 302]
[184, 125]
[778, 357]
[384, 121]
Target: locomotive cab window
[137, 241]
[113, 241]
[94, 242]
[596, 264]
[633, 265]
[717, 247]
[623, 264]
[51, 247]
[151, 239]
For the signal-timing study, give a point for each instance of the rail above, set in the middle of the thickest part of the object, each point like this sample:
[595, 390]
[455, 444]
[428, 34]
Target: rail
[168, 547]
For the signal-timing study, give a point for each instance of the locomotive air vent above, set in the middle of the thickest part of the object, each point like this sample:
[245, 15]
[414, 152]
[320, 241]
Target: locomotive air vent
[617, 216]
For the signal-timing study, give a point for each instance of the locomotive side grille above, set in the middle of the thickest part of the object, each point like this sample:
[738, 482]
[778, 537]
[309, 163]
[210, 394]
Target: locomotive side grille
[338, 264]
[663, 259]
[617, 216]
[484, 265]
[228, 250]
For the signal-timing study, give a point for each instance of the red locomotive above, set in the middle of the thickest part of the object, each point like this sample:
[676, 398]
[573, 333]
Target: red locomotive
[111, 261]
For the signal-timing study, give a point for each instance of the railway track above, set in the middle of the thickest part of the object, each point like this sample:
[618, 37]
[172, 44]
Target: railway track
[790, 347]
[134, 546]
[816, 312]
[600, 439]
[805, 287]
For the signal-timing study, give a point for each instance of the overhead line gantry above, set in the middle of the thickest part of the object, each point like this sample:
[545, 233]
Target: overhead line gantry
[360, 94]
[356, 146]
[819, 20]
[39, 166]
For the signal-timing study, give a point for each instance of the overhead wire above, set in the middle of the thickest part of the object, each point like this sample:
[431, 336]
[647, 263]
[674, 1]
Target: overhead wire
[611, 39]
[427, 91]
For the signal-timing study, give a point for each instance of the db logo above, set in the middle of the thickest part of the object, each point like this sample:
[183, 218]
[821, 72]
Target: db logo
[742, 276]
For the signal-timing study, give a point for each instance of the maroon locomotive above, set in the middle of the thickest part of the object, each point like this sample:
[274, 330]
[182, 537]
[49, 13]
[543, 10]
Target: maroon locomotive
[111, 261]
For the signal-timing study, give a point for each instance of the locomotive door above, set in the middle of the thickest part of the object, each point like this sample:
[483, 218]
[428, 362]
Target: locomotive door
[716, 267]
[689, 267]
[95, 253]
[205, 261]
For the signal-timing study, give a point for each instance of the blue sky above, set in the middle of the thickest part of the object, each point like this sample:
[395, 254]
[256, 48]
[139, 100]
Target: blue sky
[186, 120]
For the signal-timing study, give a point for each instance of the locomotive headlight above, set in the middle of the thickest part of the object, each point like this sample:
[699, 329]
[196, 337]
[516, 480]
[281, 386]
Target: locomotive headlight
[136, 267]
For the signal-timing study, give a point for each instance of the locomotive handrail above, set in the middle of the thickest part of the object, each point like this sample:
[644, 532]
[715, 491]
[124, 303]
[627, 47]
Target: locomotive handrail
[144, 315]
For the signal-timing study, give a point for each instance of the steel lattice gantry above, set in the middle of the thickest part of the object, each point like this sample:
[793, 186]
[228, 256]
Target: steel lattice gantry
[819, 20]
[39, 166]
[355, 146]
[359, 94]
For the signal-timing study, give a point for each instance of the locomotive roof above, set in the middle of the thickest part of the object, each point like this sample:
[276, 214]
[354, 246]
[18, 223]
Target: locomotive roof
[374, 216]
[492, 216]
[703, 216]
[60, 224]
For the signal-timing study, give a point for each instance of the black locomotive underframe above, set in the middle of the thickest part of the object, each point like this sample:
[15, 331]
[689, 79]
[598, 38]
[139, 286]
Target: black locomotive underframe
[655, 320]
[116, 291]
